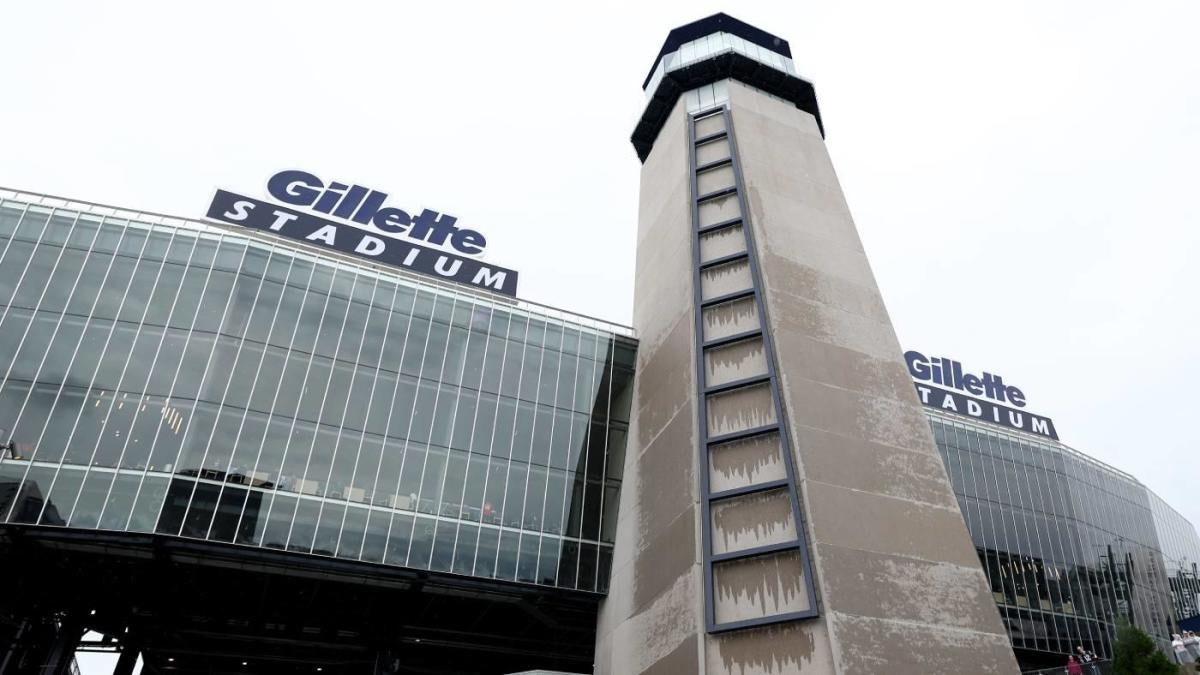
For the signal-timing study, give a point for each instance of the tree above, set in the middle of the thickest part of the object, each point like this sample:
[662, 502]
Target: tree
[1135, 654]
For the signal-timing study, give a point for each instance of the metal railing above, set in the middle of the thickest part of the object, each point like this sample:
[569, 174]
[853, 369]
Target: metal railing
[1094, 668]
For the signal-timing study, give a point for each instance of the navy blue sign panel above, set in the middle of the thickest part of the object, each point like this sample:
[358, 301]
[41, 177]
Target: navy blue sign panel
[235, 209]
[985, 411]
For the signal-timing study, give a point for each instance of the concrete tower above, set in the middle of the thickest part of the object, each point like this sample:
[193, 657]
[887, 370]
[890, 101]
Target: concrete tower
[785, 509]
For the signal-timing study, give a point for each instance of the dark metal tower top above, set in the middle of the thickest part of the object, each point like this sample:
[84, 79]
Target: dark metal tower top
[712, 25]
[718, 47]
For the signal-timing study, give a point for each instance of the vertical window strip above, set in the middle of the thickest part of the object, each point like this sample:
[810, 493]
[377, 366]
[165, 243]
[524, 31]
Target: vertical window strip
[780, 424]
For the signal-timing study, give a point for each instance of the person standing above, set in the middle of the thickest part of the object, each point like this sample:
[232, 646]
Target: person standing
[1182, 655]
[1073, 667]
[1192, 642]
[1087, 661]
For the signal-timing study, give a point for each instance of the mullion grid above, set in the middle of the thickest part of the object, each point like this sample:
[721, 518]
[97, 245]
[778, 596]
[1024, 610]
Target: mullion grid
[508, 465]
[16, 352]
[1087, 576]
[408, 421]
[986, 490]
[387, 427]
[537, 394]
[190, 337]
[968, 458]
[1008, 509]
[487, 474]
[224, 393]
[99, 362]
[104, 353]
[567, 451]
[457, 519]
[195, 240]
[1140, 606]
[371, 400]
[1159, 588]
[993, 454]
[295, 414]
[301, 355]
[521, 530]
[585, 457]
[800, 543]
[426, 443]
[183, 353]
[37, 373]
[971, 501]
[1105, 573]
[1052, 545]
[602, 479]
[246, 412]
[1120, 580]
[1144, 611]
[1032, 540]
[354, 375]
[273, 411]
[124, 368]
[585, 460]
[1138, 594]
[1085, 602]
[1174, 532]
[542, 537]
[478, 388]
[1141, 596]
[10, 238]
[414, 507]
[562, 507]
[438, 517]
[28, 262]
[1124, 546]
[319, 497]
[270, 414]
[203, 378]
[1106, 611]
[37, 307]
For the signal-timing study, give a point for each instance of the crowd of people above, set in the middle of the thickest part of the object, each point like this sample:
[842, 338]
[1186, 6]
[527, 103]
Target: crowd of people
[1186, 648]
[1086, 663]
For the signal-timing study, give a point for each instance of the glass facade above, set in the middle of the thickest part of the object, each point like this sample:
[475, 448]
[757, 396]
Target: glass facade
[1181, 553]
[171, 376]
[1068, 544]
[709, 46]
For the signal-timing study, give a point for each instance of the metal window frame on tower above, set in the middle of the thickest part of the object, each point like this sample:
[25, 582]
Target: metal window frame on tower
[779, 427]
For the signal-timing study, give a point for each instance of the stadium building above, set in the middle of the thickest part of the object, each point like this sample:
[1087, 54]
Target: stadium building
[1069, 544]
[315, 433]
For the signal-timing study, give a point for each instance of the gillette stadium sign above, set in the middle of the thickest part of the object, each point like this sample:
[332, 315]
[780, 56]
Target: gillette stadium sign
[357, 220]
[985, 397]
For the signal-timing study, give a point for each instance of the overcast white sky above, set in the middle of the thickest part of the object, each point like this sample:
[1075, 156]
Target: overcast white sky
[1024, 174]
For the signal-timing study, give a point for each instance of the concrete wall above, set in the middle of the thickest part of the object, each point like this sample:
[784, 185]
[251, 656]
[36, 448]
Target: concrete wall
[898, 579]
[898, 583]
[651, 621]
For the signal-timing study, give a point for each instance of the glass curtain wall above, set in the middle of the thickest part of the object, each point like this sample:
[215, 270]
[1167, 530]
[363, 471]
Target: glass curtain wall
[195, 381]
[1181, 553]
[1068, 544]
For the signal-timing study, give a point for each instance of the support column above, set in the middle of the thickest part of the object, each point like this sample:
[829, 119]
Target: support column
[31, 647]
[386, 662]
[62, 651]
[127, 660]
[11, 661]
